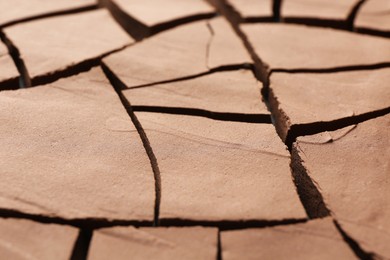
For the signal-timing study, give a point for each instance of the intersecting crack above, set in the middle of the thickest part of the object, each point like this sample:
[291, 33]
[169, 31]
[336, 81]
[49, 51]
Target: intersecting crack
[352, 14]
[346, 24]
[308, 192]
[318, 127]
[138, 30]
[223, 116]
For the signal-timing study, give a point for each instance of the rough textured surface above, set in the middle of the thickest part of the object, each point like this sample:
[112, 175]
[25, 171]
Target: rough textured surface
[145, 125]
[8, 69]
[374, 14]
[233, 177]
[70, 150]
[146, 62]
[62, 42]
[226, 92]
[319, 9]
[352, 174]
[25, 239]
[316, 239]
[314, 48]
[309, 98]
[16, 10]
[154, 243]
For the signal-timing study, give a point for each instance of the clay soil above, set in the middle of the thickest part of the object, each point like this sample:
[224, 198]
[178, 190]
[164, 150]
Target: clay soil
[195, 129]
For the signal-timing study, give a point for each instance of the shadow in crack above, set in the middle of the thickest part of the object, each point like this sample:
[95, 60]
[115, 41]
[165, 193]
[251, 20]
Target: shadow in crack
[235, 117]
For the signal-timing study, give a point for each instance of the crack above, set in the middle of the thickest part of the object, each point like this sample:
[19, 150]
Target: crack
[261, 72]
[81, 246]
[10, 84]
[134, 28]
[310, 195]
[307, 189]
[341, 25]
[373, 32]
[226, 9]
[334, 69]
[231, 67]
[354, 245]
[225, 225]
[318, 127]
[83, 223]
[138, 30]
[97, 223]
[223, 116]
[51, 14]
[72, 70]
[24, 79]
[209, 42]
[352, 15]
[219, 246]
[118, 85]
[276, 9]
[181, 21]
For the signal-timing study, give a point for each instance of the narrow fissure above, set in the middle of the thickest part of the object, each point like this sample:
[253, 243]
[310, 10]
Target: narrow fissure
[24, 80]
[341, 25]
[209, 42]
[231, 67]
[224, 225]
[75, 69]
[81, 246]
[219, 246]
[354, 245]
[181, 21]
[353, 13]
[83, 223]
[51, 14]
[334, 69]
[222, 116]
[118, 85]
[261, 71]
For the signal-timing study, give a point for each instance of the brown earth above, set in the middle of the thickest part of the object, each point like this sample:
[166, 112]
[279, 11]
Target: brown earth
[218, 129]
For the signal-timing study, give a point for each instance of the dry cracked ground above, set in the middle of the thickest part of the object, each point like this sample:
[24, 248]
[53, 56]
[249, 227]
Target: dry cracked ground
[172, 129]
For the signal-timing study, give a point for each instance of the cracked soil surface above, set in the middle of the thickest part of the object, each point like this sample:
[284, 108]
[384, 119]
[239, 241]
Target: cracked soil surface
[195, 129]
